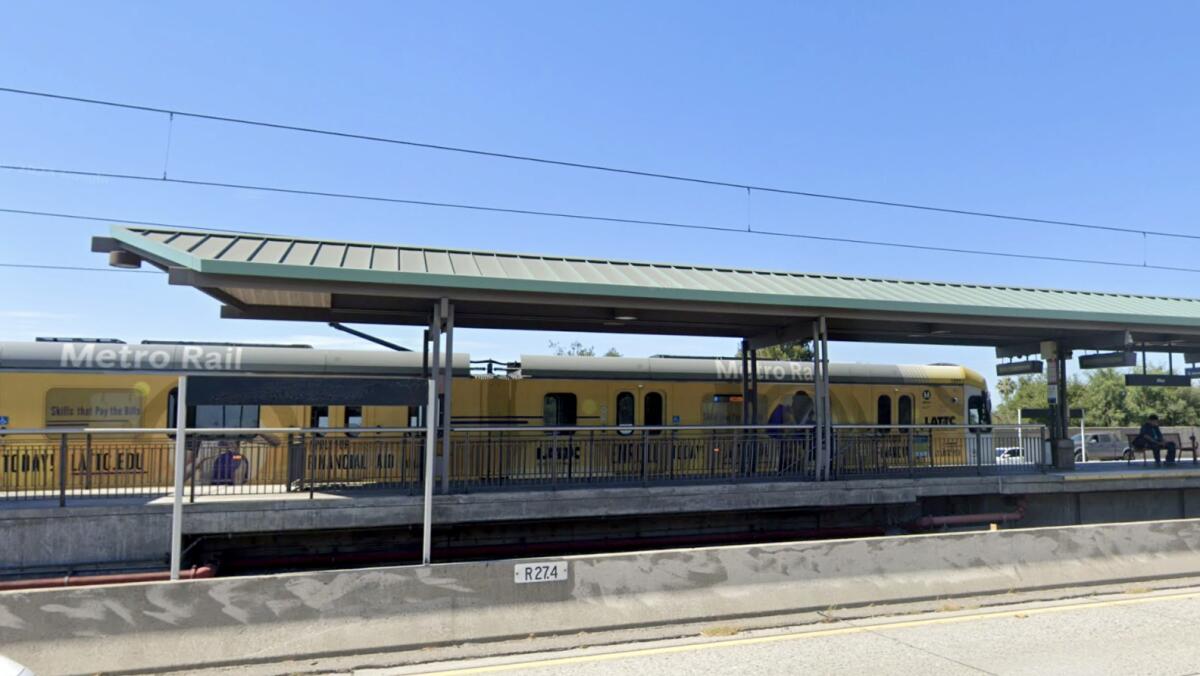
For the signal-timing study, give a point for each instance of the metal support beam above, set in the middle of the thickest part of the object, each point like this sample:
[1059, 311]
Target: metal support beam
[1063, 413]
[368, 337]
[753, 386]
[430, 452]
[447, 408]
[827, 407]
[431, 429]
[180, 461]
[822, 433]
[745, 381]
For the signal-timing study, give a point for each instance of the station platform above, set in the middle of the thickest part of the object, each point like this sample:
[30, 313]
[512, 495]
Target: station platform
[91, 531]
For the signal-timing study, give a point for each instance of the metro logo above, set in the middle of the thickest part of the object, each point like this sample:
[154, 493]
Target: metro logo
[192, 358]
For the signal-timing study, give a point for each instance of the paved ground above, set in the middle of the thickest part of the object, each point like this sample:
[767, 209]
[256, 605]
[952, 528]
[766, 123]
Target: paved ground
[1145, 627]
[1138, 633]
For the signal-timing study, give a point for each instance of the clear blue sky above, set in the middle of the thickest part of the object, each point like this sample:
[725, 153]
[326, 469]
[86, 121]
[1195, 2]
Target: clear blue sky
[1083, 111]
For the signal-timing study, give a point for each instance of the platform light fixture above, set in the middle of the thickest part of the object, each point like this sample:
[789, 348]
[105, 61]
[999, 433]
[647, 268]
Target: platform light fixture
[124, 259]
[1020, 368]
[1105, 360]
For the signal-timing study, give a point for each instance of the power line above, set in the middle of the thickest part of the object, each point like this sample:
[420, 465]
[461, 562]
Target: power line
[551, 214]
[595, 167]
[127, 221]
[74, 268]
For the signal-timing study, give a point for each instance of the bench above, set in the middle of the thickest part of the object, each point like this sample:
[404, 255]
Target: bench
[1168, 437]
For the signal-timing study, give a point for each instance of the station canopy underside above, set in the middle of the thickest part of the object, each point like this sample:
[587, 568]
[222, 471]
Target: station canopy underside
[275, 277]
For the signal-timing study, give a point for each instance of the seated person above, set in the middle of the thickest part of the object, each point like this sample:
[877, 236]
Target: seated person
[1150, 437]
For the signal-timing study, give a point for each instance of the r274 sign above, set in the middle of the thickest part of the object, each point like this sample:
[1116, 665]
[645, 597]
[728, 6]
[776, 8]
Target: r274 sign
[552, 571]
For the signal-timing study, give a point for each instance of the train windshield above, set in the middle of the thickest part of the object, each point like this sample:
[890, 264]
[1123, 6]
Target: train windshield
[978, 410]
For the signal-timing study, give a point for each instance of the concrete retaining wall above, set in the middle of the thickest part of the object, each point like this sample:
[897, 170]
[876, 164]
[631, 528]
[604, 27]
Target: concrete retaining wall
[163, 625]
[52, 537]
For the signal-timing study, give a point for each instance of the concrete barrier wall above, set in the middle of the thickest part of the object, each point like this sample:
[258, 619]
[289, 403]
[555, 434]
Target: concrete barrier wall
[163, 625]
[35, 537]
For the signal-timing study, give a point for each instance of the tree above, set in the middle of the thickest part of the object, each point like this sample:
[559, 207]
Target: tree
[796, 350]
[578, 349]
[1104, 397]
[1105, 400]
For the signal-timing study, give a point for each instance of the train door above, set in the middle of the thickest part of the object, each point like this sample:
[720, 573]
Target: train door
[905, 410]
[979, 436]
[657, 449]
[883, 411]
[654, 410]
[626, 408]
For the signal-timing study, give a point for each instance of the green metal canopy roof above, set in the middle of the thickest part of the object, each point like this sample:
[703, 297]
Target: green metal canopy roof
[266, 276]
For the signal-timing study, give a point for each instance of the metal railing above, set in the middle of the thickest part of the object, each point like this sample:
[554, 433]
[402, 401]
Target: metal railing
[61, 463]
[489, 457]
[49, 464]
[485, 457]
[921, 450]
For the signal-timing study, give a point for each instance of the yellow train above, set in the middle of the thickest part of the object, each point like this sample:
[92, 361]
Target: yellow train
[113, 385]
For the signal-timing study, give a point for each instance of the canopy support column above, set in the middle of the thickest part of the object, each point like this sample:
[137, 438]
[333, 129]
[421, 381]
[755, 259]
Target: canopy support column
[1061, 446]
[447, 311]
[753, 386]
[180, 460]
[827, 408]
[745, 357]
[433, 345]
[822, 432]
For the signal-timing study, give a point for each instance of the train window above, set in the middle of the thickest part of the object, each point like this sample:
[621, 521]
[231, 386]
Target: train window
[723, 409]
[883, 410]
[653, 411]
[625, 410]
[802, 409]
[214, 415]
[558, 410]
[318, 416]
[905, 406]
[977, 410]
[354, 417]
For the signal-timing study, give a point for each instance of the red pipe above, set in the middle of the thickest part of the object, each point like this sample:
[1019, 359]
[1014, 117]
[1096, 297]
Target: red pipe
[195, 573]
[971, 519]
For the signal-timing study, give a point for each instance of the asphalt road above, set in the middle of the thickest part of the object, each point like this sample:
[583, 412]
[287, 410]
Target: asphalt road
[1132, 633]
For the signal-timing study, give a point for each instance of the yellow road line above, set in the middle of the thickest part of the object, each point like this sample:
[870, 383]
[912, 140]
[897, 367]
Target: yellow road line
[818, 633]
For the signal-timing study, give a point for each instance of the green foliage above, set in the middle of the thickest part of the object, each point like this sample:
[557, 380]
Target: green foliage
[793, 351]
[578, 349]
[1105, 398]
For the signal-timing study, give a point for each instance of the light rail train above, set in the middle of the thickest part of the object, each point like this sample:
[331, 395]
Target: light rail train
[108, 384]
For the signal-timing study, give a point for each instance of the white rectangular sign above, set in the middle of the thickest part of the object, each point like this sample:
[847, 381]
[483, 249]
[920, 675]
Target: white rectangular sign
[550, 571]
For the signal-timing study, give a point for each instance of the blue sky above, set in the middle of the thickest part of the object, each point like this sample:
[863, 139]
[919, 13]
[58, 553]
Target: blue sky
[1080, 111]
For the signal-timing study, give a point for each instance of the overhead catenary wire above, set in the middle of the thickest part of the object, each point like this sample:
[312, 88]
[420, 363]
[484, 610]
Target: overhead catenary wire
[550, 214]
[594, 167]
